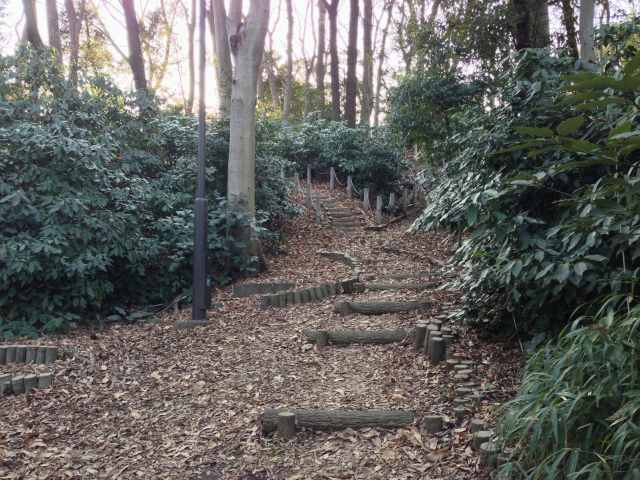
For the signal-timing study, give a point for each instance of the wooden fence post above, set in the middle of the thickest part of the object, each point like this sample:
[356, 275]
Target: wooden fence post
[349, 187]
[392, 201]
[332, 179]
[379, 209]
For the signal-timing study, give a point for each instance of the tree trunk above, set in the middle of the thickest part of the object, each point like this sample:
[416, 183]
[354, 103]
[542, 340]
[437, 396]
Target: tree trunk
[32, 34]
[568, 19]
[352, 62]
[367, 64]
[362, 337]
[222, 54]
[381, 58]
[320, 65]
[332, 10]
[378, 308]
[74, 42]
[247, 46]
[191, 29]
[53, 25]
[587, 56]
[136, 61]
[530, 20]
[339, 419]
[288, 83]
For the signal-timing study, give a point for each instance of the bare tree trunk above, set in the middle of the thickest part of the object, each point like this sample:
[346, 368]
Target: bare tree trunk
[367, 64]
[530, 23]
[136, 61]
[191, 29]
[332, 10]
[288, 84]
[53, 26]
[32, 34]
[247, 46]
[320, 65]
[222, 55]
[568, 19]
[74, 42]
[381, 58]
[156, 81]
[352, 61]
[587, 56]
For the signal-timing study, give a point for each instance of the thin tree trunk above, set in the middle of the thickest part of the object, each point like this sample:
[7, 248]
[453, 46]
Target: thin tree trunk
[332, 10]
[53, 25]
[320, 65]
[352, 62]
[136, 61]
[247, 46]
[32, 34]
[191, 29]
[288, 83]
[587, 56]
[381, 58]
[74, 42]
[530, 23]
[568, 19]
[222, 55]
[168, 25]
[367, 64]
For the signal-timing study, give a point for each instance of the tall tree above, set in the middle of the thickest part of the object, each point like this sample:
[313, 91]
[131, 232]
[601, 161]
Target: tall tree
[332, 10]
[309, 62]
[32, 34]
[288, 82]
[351, 90]
[53, 25]
[222, 54]
[136, 61]
[367, 63]
[381, 59]
[587, 56]
[530, 20]
[247, 48]
[569, 21]
[74, 41]
[320, 56]
[190, 17]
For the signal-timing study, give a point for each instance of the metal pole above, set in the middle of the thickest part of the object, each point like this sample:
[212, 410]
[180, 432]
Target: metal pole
[200, 290]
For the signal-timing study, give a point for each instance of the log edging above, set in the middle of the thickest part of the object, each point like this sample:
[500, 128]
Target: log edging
[19, 383]
[28, 354]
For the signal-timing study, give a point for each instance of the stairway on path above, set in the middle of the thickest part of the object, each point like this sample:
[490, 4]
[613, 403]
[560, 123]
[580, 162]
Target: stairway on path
[344, 219]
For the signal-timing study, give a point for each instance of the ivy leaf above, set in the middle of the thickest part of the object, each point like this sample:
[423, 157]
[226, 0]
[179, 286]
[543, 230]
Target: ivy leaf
[535, 131]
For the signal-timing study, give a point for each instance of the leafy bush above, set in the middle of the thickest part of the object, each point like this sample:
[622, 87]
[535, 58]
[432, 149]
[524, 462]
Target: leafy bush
[96, 201]
[576, 415]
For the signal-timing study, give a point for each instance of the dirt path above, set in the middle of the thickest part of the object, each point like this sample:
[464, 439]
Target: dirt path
[149, 401]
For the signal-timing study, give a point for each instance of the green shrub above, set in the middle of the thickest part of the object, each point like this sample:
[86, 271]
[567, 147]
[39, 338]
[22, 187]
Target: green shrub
[576, 415]
[96, 201]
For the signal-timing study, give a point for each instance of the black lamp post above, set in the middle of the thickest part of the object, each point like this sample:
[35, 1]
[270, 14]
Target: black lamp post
[201, 297]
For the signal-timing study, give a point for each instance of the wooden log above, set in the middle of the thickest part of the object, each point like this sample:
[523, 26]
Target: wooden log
[489, 452]
[405, 276]
[322, 338]
[5, 384]
[45, 380]
[41, 355]
[3, 355]
[432, 424]
[401, 286]
[332, 179]
[11, 354]
[378, 217]
[339, 419]
[476, 425]
[378, 308]
[480, 437]
[362, 337]
[460, 413]
[436, 349]
[287, 425]
[30, 382]
[421, 330]
[17, 384]
[349, 187]
[366, 204]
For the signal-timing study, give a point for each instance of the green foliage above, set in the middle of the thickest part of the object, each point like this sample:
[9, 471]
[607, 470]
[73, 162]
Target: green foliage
[96, 201]
[576, 415]
[371, 156]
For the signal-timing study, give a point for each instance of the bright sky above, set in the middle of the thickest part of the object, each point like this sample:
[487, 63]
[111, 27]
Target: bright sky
[174, 84]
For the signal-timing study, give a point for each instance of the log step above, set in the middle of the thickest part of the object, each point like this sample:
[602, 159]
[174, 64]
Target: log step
[378, 308]
[362, 337]
[401, 286]
[338, 419]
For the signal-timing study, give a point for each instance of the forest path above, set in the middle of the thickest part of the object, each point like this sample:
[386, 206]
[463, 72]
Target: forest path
[150, 401]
